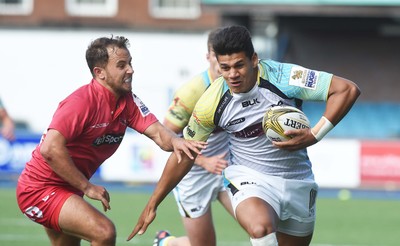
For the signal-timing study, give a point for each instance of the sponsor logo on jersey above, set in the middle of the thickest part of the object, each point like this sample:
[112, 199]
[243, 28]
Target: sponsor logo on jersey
[143, 108]
[197, 120]
[311, 79]
[190, 132]
[250, 132]
[222, 104]
[303, 77]
[278, 104]
[108, 139]
[176, 101]
[100, 125]
[176, 115]
[235, 122]
[248, 103]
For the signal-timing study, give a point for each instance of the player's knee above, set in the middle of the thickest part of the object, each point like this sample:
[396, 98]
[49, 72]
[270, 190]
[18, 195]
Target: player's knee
[268, 240]
[107, 234]
[258, 230]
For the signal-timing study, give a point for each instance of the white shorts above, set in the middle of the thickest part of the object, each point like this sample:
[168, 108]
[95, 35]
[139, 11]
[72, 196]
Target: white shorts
[196, 191]
[292, 200]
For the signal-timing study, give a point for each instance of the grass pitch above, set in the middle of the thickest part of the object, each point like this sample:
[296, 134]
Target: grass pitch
[350, 222]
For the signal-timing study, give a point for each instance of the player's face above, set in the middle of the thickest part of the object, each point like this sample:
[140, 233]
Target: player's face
[239, 71]
[118, 72]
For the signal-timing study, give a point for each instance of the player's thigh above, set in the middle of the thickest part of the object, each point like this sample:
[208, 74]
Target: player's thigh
[294, 232]
[257, 217]
[224, 199]
[79, 218]
[59, 238]
[200, 230]
[289, 240]
[195, 193]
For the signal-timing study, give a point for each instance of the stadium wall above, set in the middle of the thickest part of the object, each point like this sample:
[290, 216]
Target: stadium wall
[41, 67]
[337, 163]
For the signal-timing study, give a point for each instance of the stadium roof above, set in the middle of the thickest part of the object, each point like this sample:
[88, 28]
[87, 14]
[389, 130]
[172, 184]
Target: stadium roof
[307, 2]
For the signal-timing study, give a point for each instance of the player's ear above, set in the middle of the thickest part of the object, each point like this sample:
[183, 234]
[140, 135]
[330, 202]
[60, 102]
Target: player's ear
[99, 72]
[254, 59]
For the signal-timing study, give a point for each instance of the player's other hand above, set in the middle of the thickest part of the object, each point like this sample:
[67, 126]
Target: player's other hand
[8, 133]
[99, 193]
[301, 139]
[145, 219]
[214, 164]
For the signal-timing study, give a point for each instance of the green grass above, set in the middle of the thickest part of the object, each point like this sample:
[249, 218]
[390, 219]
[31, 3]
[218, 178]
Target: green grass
[339, 223]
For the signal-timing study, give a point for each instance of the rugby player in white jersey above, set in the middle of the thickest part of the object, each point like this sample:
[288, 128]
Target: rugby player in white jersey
[271, 184]
[204, 182]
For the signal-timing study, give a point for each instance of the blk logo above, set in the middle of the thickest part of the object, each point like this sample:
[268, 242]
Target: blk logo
[250, 102]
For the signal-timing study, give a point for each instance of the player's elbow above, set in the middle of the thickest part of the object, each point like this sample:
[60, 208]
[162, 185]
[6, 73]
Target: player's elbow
[46, 151]
[353, 91]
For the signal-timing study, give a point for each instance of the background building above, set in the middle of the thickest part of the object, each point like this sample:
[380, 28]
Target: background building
[43, 43]
[356, 39]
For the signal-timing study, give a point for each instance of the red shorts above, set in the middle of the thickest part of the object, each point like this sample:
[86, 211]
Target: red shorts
[42, 203]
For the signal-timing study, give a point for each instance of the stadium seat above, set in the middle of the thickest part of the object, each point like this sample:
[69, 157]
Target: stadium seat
[366, 120]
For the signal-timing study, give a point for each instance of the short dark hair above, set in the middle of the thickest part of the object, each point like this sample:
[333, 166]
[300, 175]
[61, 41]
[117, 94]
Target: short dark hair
[211, 38]
[233, 39]
[97, 54]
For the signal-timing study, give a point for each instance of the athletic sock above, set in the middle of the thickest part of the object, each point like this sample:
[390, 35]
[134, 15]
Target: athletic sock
[268, 240]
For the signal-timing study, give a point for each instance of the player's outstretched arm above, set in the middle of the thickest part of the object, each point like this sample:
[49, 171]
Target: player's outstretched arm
[170, 141]
[172, 174]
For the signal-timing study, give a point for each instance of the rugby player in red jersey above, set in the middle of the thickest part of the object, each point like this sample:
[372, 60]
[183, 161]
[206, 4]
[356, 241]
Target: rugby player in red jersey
[86, 129]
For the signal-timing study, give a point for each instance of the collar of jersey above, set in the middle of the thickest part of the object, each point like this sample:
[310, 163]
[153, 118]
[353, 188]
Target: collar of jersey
[104, 92]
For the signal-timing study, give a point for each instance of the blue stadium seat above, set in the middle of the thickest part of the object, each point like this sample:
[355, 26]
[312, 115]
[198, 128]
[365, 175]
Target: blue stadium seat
[366, 120]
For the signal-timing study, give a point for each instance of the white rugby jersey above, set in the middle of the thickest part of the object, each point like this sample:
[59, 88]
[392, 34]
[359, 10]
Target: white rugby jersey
[182, 106]
[240, 115]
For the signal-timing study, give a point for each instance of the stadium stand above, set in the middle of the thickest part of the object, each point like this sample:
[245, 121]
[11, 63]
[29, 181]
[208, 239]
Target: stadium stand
[366, 120]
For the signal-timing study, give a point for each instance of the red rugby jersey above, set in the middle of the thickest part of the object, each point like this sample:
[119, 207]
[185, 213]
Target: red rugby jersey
[93, 126]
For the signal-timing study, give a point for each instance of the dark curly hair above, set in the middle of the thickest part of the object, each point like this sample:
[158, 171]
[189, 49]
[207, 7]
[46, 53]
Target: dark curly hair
[97, 54]
[233, 39]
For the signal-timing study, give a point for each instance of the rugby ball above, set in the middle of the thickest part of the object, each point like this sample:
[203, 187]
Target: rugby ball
[279, 119]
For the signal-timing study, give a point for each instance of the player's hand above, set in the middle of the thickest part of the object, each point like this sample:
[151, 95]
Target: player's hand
[214, 164]
[301, 139]
[181, 145]
[99, 193]
[8, 132]
[145, 219]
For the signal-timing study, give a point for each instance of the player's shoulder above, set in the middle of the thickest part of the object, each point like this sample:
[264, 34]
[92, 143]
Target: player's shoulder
[197, 84]
[209, 101]
[90, 89]
[272, 68]
[215, 91]
[81, 95]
